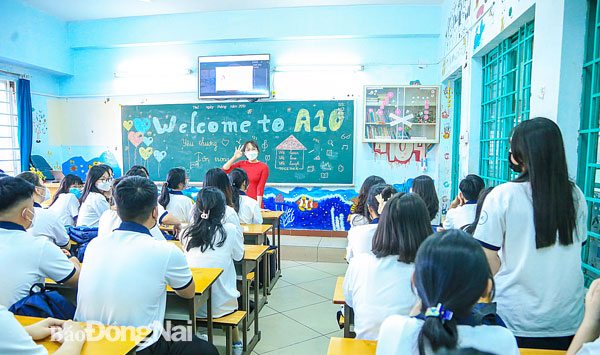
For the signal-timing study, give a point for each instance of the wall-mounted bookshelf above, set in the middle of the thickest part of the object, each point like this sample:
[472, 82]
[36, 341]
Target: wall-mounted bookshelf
[401, 114]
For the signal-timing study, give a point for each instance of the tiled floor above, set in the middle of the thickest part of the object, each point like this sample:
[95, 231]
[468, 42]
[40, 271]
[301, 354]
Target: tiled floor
[300, 317]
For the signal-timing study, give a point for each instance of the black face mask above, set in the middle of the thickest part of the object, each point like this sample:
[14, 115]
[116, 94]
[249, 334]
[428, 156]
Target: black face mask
[514, 167]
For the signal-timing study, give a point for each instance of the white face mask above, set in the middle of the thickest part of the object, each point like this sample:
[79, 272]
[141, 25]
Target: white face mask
[46, 194]
[24, 215]
[251, 155]
[104, 185]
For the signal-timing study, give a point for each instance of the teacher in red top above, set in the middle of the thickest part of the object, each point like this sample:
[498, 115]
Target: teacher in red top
[257, 171]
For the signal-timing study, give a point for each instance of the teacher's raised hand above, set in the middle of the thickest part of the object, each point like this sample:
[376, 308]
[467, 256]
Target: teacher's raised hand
[238, 153]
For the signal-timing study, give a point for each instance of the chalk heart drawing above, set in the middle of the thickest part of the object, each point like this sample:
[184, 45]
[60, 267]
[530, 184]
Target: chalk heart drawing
[159, 155]
[135, 138]
[128, 124]
[146, 152]
[141, 125]
[148, 140]
[225, 142]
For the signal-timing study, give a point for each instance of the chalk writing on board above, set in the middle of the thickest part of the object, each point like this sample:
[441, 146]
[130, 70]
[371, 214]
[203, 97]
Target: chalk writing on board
[310, 168]
[330, 142]
[290, 154]
[340, 168]
[324, 175]
[345, 147]
[329, 152]
[325, 166]
[268, 157]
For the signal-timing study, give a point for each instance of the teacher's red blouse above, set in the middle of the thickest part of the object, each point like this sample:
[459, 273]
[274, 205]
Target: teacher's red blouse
[257, 175]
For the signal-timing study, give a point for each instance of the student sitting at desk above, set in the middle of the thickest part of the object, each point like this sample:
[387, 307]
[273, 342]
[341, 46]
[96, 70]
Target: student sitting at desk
[16, 339]
[423, 186]
[65, 202]
[126, 273]
[360, 215]
[211, 244]
[25, 259]
[451, 274]
[172, 199]
[378, 284]
[360, 238]
[96, 195]
[462, 209]
[246, 207]
[46, 223]
[217, 178]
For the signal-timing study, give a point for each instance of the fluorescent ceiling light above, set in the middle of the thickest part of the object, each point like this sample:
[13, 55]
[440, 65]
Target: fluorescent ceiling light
[152, 73]
[304, 68]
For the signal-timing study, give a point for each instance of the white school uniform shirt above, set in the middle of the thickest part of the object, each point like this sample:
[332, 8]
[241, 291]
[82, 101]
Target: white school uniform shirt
[377, 288]
[110, 221]
[47, 224]
[592, 348]
[539, 292]
[26, 260]
[124, 279]
[360, 239]
[180, 206]
[92, 209]
[358, 220]
[399, 334]
[458, 217]
[14, 339]
[224, 290]
[249, 212]
[67, 208]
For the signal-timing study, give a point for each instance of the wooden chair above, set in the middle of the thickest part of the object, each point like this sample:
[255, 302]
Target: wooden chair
[227, 323]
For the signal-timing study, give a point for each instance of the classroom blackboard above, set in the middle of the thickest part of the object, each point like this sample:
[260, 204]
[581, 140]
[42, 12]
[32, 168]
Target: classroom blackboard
[302, 142]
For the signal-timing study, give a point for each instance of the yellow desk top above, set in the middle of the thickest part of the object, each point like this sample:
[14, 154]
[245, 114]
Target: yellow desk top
[203, 278]
[255, 229]
[126, 341]
[272, 214]
[253, 252]
[170, 228]
[338, 294]
[348, 346]
[541, 352]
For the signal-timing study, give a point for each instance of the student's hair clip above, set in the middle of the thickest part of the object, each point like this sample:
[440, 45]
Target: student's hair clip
[381, 202]
[205, 214]
[438, 312]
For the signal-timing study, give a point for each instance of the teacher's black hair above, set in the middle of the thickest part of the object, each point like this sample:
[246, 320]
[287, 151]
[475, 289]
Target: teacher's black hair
[238, 177]
[537, 146]
[175, 177]
[202, 232]
[252, 143]
[450, 269]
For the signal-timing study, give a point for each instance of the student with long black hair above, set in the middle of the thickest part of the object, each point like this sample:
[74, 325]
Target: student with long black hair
[423, 186]
[172, 199]
[65, 202]
[217, 178]
[378, 284]
[210, 243]
[246, 207]
[532, 230]
[360, 238]
[96, 195]
[451, 274]
[470, 228]
[360, 215]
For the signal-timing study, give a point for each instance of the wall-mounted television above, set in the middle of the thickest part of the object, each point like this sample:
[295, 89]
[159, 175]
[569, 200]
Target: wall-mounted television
[234, 76]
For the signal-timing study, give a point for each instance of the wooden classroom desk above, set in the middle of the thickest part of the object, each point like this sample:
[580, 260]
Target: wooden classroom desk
[541, 352]
[252, 257]
[99, 347]
[345, 346]
[274, 217]
[258, 232]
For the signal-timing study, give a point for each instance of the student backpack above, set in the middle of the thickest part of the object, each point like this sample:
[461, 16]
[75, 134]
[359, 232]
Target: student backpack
[43, 304]
[82, 236]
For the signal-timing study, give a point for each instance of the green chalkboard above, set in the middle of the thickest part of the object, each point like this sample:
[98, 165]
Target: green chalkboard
[302, 142]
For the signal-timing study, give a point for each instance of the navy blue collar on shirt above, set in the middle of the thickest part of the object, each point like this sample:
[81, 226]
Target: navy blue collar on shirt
[133, 227]
[375, 221]
[11, 226]
[35, 204]
[473, 202]
[242, 193]
[173, 192]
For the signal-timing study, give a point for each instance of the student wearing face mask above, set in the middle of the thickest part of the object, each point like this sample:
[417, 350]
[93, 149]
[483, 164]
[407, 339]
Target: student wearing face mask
[96, 195]
[66, 199]
[258, 172]
[46, 223]
[24, 258]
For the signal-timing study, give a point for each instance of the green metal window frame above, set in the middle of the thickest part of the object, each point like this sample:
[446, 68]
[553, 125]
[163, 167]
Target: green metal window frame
[588, 172]
[505, 101]
[456, 136]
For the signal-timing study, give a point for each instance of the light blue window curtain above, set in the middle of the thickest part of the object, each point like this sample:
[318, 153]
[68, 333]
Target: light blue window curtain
[25, 122]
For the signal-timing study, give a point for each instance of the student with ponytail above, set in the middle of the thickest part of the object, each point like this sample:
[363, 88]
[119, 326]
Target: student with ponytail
[210, 243]
[246, 207]
[451, 274]
[378, 284]
[360, 238]
[172, 199]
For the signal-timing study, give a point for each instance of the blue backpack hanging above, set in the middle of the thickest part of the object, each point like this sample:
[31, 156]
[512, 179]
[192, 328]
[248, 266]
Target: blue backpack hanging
[82, 236]
[43, 304]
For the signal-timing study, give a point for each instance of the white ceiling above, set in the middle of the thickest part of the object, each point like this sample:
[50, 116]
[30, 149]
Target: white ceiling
[79, 10]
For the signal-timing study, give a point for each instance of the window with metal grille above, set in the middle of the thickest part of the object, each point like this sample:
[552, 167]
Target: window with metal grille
[10, 161]
[505, 101]
[588, 172]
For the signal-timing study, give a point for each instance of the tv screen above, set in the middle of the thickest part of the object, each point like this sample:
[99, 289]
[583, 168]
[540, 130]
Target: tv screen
[234, 76]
